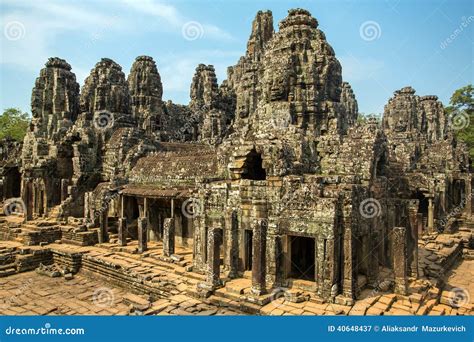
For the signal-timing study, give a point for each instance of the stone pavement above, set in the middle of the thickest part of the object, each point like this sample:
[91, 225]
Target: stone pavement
[462, 277]
[424, 299]
[32, 294]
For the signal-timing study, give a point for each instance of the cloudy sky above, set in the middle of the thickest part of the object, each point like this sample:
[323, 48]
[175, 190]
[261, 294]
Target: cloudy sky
[382, 45]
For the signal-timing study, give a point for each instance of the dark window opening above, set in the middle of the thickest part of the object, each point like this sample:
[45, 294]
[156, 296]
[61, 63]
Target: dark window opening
[253, 167]
[380, 167]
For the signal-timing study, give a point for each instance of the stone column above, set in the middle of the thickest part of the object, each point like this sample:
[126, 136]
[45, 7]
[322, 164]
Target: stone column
[168, 236]
[413, 217]
[232, 244]
[399, 250]
[103, 230]
[349, 279]
[142, 234]
[468, 197]
[145, 208]
[87, 214]
[258, 257]
[419, 220]
[26, 197]
[172, 207]
[64, 186]
[214, 237]
[122, 231]
[430, 215]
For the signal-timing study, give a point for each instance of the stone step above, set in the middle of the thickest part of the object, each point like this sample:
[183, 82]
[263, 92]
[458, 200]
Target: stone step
[8, 271]
[7, 266]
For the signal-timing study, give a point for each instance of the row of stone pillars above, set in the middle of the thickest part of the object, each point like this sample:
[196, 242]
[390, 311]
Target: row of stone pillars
[142, 225]
[214, 241]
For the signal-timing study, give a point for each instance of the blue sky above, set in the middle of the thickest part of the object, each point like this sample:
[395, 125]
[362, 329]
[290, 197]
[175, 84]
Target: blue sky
[405, 41]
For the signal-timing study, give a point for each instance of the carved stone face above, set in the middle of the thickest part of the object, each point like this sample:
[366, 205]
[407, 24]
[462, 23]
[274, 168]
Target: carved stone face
[401, 125]
[242, 107]
[279, 87]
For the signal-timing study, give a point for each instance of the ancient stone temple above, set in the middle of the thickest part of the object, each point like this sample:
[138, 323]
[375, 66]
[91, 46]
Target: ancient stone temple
[264, 184]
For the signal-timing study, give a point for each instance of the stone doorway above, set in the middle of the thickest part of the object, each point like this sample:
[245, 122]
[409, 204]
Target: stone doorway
[248, 251]
[302, 258]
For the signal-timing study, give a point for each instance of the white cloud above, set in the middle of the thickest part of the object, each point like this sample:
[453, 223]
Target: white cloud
[44, 21]
[172, 17]
[154, 8]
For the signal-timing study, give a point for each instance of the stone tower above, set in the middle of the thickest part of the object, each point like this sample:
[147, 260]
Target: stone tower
[210, 119]
[146, 93]
[105, 97]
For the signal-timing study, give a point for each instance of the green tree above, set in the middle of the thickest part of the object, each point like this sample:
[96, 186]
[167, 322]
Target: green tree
[461, 116]
[13, 124]
[363, 117]
[463, 98]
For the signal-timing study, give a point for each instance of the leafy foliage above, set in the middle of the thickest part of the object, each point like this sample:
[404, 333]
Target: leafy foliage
[363, 118]
[13, 124]
[462, 103]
